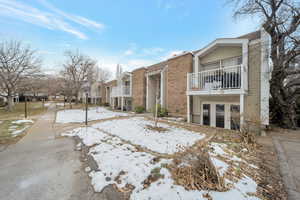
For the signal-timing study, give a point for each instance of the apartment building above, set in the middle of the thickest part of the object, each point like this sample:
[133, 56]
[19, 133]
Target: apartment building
[225, 84]
[121, 92]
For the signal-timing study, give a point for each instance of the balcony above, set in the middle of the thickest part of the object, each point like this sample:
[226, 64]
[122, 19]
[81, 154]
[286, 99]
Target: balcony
[217, 81]
[121, 91]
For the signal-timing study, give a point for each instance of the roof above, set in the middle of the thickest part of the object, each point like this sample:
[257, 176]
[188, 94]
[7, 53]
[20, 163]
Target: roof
[157, 66]
[251, 36]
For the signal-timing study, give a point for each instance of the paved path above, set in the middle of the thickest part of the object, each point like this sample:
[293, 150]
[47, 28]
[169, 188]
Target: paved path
[288, 149]
[42, 167]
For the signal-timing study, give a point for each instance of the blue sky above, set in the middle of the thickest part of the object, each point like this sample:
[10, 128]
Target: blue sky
[134, 33]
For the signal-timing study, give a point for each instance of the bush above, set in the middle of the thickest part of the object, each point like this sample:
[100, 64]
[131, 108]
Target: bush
[161, 111]
[139, 109]
[106, 104]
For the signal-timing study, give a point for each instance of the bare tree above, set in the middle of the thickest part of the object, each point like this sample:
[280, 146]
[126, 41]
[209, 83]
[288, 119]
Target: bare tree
[281, 20]
[16, 63]
[102, 75]
[78, 68]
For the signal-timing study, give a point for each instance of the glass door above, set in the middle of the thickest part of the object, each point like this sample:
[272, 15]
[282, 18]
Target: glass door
[206, 114]
[220, 115]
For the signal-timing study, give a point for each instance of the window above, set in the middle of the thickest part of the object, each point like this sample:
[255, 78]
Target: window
[231, 61]
[206, 114]
[220, 115]
[234, 117]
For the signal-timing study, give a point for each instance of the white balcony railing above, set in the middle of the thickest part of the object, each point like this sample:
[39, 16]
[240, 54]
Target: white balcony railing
[120, 91]
[217, 79]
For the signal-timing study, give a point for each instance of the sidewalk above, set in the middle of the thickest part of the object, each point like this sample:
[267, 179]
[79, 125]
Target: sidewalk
[41, 166]
[288, 149]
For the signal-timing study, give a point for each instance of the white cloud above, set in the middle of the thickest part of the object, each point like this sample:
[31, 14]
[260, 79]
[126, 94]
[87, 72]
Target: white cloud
[77, 19]
[128, 52]
[55, 20]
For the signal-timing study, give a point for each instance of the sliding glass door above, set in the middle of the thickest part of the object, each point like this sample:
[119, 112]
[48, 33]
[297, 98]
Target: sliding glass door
[206, 114]
[220, 115]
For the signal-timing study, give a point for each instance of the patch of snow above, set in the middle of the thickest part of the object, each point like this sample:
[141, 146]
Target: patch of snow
[22, 121]
[78, 115]
[18, 132]
[88, 135]
[135, 131]
[12, 128]
[123, 161]
[87, 169]
[121, 164]
[220, 165]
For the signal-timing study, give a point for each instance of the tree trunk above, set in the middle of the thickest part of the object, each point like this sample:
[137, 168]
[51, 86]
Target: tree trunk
[285, 108]
[9, 103]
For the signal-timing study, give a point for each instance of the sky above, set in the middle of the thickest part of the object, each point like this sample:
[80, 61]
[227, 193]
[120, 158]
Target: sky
[132, 33]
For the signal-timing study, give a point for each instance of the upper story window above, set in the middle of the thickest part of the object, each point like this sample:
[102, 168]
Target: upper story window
[227, 62]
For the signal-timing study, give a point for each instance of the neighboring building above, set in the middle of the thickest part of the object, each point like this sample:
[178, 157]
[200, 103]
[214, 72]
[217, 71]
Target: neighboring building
[121, 93]
[225, 84]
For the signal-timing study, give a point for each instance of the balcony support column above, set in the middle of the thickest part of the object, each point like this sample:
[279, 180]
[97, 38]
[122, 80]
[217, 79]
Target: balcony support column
[188, 107]
[242, 107]
[147, 92]
[162, 83]
[122, 103]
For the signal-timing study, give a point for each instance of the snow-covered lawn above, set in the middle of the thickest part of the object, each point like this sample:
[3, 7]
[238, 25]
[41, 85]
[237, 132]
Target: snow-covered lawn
[135, 131]
[122, 164]
[78, 115]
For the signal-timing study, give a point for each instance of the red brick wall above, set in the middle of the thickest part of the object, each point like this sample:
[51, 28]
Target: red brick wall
[176, 99]
[139, 88]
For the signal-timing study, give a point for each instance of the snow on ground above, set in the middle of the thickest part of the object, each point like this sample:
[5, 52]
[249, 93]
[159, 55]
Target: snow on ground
[18, 132]
[78, 115]
[121, 164]
[19, 126]
[115, 158]
[166, 189]
[134, 130]
[22, 121]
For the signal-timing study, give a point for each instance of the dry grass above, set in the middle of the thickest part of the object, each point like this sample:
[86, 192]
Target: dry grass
[156, 128]
[6, 136]
[195, 171]
[18, 112]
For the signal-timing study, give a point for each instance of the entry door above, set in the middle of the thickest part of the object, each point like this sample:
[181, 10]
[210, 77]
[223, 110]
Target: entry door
[220, 115]
[206, 114]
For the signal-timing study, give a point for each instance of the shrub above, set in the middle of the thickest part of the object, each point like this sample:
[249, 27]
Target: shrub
[139, 109]
[161, 111]
[106, 104]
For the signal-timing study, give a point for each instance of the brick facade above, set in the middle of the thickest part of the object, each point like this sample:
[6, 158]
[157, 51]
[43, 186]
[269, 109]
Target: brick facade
[176, 83]
[139, 88]
[252, 99]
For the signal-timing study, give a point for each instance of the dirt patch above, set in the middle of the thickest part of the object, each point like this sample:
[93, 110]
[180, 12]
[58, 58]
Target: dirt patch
[156, 128]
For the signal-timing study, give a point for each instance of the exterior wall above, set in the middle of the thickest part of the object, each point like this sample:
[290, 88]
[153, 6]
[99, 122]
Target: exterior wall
[103, 93]
[252, 99]
[176, 84]
[221, 53]
[139, 88]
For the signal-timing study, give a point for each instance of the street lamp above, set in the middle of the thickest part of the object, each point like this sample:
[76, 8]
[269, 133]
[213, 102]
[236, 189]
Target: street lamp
[86, 89]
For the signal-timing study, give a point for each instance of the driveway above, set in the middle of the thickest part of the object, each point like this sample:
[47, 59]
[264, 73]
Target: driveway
[43, 166]
[288, 148]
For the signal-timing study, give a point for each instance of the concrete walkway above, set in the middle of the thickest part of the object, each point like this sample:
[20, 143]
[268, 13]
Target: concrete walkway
[43, 167]
[288, 148]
